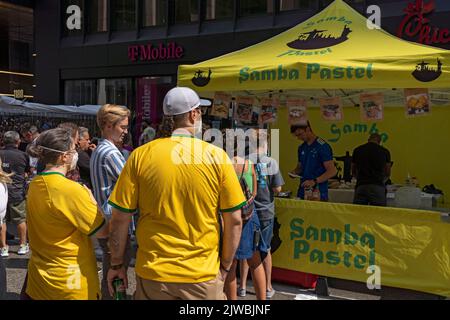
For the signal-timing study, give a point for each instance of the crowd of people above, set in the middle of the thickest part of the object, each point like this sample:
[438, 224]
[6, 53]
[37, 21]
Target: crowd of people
[63, 189]
[196, 211]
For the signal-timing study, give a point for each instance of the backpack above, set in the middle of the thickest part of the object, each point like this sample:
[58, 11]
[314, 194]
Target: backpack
[249, 207]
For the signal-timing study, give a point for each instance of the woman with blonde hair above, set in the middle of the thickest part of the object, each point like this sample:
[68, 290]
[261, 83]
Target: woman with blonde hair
[5, 178]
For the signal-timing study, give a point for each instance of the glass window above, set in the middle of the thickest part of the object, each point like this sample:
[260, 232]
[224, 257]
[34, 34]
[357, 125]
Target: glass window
[154, 12]
[251, 7]
[123, 13]
[115, 91]
[80, 92]
[72, 23]
[97, 16]
[286, 5]
[186, 11]
[218, 9]
[19, 56]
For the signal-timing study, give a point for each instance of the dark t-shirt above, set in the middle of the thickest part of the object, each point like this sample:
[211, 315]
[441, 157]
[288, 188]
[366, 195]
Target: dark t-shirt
[370, 160]
[268, 177]
[311, 157]
[14, 160]
[84, 167]
[23, 146]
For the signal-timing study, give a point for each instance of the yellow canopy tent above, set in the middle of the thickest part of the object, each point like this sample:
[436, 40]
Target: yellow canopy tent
[333, 49]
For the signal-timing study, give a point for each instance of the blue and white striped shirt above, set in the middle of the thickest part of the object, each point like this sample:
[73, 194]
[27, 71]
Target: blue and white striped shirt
[106, 164]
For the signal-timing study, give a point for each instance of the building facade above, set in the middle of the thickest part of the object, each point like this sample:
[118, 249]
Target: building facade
[16, 49]
[127, 51]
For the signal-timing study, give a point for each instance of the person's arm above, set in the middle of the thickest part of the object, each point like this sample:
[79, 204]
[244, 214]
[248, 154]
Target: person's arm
[124, 203]
[117, 242]
[387, 169]
[115, 163]
[232, 228]
[329, 173]
[276, 190]
[298, 169]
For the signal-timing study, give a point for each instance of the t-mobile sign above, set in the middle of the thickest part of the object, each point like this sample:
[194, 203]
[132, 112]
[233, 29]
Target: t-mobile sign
[150, 52]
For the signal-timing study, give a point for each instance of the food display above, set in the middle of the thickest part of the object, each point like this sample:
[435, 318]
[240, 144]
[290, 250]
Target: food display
[297, 112]
[417, 104]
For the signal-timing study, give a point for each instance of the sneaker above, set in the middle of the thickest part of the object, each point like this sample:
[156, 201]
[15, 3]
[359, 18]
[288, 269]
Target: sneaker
[4, 252]
[23, 249]
[270, 293]
[242, 292]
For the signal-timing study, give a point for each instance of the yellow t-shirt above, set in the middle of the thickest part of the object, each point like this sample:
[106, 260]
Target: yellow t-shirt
[179, 184]
[61, 216]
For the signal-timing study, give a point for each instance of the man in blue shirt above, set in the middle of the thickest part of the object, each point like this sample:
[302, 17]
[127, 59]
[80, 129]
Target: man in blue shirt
[315, 162]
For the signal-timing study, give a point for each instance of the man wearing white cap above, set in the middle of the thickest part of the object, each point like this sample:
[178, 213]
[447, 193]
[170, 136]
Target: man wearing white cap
[179, 184]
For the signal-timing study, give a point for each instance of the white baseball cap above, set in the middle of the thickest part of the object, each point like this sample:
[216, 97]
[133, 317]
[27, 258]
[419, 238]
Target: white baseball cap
[181, 100]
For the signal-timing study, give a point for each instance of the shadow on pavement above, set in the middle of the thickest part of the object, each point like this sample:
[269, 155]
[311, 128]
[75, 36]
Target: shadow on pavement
[15, 263]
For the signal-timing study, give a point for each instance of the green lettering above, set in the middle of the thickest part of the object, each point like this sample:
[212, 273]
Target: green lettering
[347, 256]
[296, 228]
[300, 247]
[316, 255]
[330, 18]
[294, 74]
[312, 68]
[282, 74]
[373, 128]
[350, 237]
[313, 233]
[368, 239]
[369, 71]
[359, 73]
[243, 74]
[254, 75]
[384, 137]
[289, 52]
[372, 261]
[331, 235]
[268, 75]
[360, 261]
[347, 128]
[338, 73]
[335, 130]
[362, 128]
[349, 72]
[325, 73]
[333, 258]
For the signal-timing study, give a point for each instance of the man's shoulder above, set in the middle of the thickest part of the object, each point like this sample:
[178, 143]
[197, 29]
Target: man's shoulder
[321, 142]
[14, 152]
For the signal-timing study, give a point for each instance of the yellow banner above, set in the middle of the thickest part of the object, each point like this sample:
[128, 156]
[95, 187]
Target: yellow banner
[333, 49]
[411, 248]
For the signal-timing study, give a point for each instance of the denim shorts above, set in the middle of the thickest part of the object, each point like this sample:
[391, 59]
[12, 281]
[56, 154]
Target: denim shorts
[250, 236]
[266, 234]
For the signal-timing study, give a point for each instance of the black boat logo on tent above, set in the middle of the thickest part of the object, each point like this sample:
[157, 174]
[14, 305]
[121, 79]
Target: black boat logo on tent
[200, 80]
[317, 39]
[424, 73]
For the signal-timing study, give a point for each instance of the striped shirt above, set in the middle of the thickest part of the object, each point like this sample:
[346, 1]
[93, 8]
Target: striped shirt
[106, 164]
